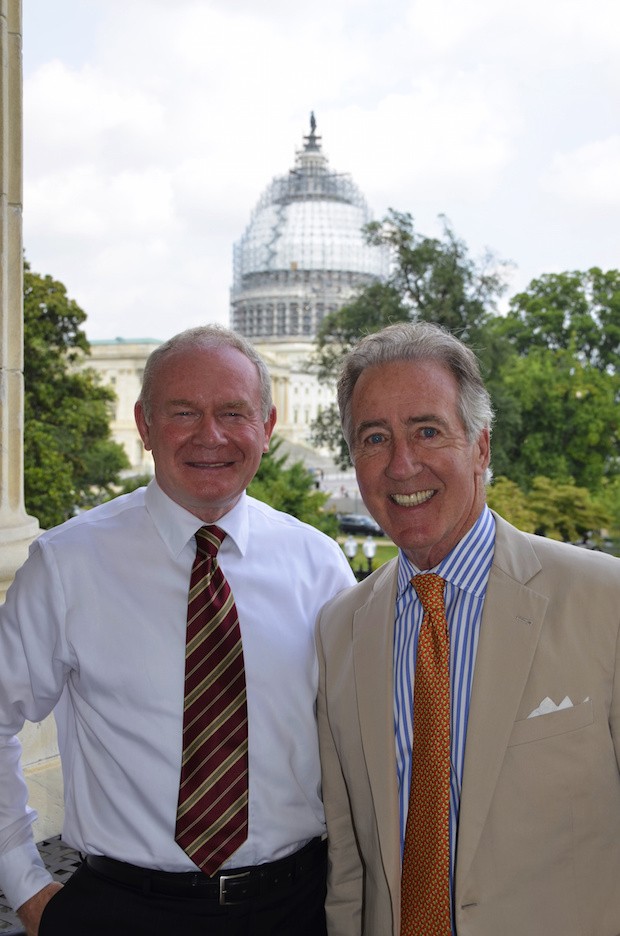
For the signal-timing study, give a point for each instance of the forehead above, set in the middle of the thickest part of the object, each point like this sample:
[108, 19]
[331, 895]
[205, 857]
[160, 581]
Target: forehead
[213, 370]
[403, 389]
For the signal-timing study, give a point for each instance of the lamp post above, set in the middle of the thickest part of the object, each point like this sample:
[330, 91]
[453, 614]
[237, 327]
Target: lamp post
[350, 548]
[369, 548]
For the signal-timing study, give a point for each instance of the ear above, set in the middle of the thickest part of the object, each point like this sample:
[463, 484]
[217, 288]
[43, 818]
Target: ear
[142, 425]
[269, 427]
[483, 445]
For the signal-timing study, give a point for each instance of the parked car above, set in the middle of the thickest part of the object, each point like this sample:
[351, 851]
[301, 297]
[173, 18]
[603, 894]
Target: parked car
[360, 524]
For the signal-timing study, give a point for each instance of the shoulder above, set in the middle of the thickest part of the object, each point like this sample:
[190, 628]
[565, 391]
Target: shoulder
[379, 586]
[288, 529]
[110, 514]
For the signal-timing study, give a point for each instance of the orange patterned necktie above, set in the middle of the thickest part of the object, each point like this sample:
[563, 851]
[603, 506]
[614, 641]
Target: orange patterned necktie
[425, 888]
[212, 813]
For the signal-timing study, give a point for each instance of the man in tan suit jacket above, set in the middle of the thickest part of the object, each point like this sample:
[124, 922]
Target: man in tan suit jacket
[537, 842]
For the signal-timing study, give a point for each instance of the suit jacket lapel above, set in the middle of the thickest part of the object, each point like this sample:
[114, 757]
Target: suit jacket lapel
[374, 676]
[509, 632]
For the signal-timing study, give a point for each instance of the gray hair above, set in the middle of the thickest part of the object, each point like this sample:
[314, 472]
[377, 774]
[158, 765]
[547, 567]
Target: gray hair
[205, 336]
[420, 341]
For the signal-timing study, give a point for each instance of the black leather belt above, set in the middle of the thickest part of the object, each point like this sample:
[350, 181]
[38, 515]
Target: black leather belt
[227, 887]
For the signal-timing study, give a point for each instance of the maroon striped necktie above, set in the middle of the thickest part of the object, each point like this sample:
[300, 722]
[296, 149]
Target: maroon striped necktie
[212, 813]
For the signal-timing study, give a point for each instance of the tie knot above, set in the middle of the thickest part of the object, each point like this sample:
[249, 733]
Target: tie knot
[430, 588]
[209, 539]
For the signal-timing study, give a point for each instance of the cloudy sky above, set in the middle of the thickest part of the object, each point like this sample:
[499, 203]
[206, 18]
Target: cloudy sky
[151, 128]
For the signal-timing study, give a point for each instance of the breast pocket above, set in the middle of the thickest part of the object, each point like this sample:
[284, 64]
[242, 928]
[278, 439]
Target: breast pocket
[554, 723]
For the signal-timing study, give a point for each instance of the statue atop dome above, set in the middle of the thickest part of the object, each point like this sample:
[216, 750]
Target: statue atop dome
[312, 141]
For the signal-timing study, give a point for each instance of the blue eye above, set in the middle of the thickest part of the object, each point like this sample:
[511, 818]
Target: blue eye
[428, 432]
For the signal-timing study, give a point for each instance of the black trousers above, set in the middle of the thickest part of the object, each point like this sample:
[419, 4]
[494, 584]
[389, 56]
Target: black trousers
[91, 905]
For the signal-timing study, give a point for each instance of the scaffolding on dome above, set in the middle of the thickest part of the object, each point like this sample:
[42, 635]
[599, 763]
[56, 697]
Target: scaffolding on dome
[304, 250]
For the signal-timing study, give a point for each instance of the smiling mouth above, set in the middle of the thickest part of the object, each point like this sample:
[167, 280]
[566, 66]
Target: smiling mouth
[199, 464]
[412, 500]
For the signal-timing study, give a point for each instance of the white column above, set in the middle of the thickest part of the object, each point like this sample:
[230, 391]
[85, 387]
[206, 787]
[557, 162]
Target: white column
[17, 529]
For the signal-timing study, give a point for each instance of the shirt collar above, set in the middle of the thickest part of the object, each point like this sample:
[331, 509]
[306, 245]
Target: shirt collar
[177, 526]
[457, 567]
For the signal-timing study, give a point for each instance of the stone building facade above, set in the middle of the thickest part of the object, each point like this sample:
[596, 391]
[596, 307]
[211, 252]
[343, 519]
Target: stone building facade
[119, 364]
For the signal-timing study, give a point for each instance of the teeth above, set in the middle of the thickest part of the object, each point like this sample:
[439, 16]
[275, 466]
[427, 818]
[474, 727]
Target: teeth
[411, 500]
[208, 464]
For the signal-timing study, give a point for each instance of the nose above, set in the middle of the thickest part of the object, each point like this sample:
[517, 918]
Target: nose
[404, 461]
[209, 432]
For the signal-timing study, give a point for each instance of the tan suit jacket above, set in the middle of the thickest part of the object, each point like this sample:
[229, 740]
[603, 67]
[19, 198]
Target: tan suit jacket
[538, 845]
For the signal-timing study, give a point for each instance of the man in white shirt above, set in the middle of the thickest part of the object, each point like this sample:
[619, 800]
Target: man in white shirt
[94, 628]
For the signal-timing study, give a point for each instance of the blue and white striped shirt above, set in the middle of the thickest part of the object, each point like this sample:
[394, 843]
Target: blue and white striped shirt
[466, 571]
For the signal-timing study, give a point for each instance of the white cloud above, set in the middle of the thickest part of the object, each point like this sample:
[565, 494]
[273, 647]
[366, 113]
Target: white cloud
[589, 176]
[85, 114]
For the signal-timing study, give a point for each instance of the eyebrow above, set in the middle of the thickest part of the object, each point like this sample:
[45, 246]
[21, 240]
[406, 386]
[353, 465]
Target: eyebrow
[412, 421]
[227, 404]
[370, 424]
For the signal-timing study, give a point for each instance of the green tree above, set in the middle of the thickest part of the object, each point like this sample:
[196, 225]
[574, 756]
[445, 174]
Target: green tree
[565, 511]
[291, 488]
[70, 460]
[437, 278]
[507, 498]
[432, 279]
[325, 433]
[376, 306]
[579, 311]
[564, 422]
[608, 499]
[558, 510]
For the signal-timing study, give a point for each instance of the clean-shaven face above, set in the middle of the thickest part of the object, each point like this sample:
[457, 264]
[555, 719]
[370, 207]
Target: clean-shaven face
[419, 476]
[205, 430]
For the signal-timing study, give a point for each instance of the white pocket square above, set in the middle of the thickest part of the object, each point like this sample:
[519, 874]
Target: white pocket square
[548, 705]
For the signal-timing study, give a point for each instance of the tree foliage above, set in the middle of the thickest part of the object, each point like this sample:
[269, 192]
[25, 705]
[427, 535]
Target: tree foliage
[557, 509]
[565, 511]
[432, 279]
[326, 433]
[563, 419]
[291, 488]
[70, 460]
[436, 277]
[576, 311]
[507, 498]
[377, 305]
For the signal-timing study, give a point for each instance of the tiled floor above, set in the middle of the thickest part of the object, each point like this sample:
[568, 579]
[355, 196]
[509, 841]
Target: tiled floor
[61, 861]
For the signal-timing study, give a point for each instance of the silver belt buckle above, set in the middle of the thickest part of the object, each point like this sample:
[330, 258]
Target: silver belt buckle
[229, 877]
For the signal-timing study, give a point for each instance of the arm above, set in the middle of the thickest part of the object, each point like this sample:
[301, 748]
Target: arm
[345, 876]
[31, 679]
[22, 872]
[30, 912]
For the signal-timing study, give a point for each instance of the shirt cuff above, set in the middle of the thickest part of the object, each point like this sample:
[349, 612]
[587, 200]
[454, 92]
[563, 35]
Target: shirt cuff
[22, 874]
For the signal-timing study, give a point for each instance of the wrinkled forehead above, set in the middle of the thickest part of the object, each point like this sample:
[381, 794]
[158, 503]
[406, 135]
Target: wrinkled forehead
[404, 389]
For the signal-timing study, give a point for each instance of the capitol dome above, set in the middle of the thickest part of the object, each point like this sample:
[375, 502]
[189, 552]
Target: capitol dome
[303, 253]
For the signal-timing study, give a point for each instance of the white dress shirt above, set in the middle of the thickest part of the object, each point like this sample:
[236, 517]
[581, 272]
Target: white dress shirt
[94, 628]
